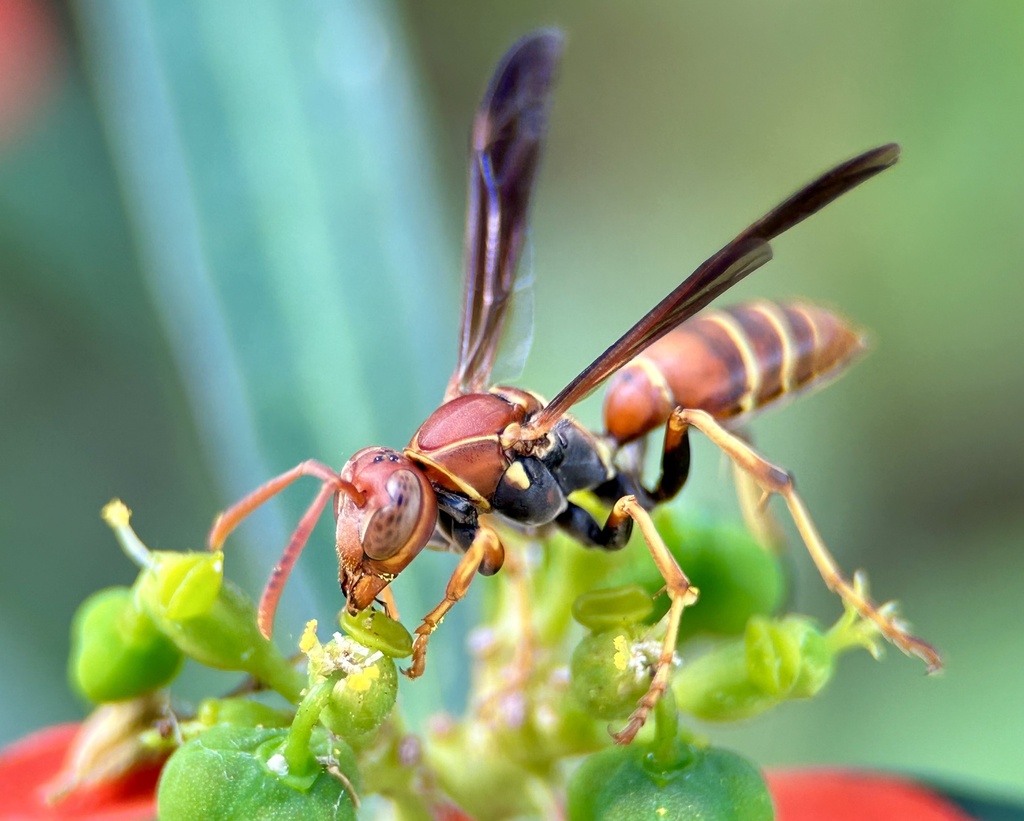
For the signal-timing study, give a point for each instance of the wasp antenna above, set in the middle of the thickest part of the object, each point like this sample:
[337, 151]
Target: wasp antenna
[279, 576]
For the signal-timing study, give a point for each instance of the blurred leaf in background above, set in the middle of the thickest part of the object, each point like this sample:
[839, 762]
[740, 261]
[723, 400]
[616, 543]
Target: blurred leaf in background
[229, 241]
[229, 235]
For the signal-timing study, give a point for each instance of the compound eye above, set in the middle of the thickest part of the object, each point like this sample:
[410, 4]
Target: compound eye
[388, 529]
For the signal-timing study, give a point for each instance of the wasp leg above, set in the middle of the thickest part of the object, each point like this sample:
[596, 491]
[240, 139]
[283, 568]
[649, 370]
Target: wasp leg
[675, 468]
[230, 519]
[681, 594]
[757, 516]
[387, 598]
[773, 479]
[579, 524]
[486, 552]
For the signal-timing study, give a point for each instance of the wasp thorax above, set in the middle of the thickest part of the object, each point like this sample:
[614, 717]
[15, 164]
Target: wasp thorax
[378, 537]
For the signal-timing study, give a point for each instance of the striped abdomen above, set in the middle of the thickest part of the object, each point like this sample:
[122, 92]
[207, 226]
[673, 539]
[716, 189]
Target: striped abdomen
[729, 363]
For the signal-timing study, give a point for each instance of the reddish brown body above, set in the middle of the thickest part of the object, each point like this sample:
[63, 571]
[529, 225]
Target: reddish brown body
[459, 446]
[729, 363]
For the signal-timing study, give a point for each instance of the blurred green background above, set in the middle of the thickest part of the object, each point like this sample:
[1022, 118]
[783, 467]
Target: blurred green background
[230, 240]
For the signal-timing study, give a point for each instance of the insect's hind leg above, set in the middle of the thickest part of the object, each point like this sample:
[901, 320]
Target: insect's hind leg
[675, 468]
[773, 479]
[753, 500]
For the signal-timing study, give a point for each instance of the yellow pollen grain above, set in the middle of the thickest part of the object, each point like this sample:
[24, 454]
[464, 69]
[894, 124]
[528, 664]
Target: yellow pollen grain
[116, 513]
[361, 680]
[621, 657]
[309, 639]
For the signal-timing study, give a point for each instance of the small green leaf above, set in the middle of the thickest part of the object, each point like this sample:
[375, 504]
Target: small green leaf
[231, 773]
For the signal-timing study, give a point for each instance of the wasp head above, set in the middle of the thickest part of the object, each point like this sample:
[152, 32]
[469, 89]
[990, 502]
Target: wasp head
[380, 534]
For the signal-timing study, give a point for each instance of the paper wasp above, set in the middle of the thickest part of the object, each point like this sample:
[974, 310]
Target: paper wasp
[505, 451]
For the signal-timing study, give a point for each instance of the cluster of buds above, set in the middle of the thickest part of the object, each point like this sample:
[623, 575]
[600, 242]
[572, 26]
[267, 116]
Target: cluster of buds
[572, 640]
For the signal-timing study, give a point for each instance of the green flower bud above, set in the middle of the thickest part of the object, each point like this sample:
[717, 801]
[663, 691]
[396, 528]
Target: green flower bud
[363, 699]
[613, 607]
[211, 620]
[788, 657]
[181, 586]
[366, 685]
[376, 630]
[717, 686]
[776, 660]
[634, 782]
[611, 671]
[117, 652]
[238, 774]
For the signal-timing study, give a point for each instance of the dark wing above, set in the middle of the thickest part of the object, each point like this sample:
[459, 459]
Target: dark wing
[506, 144]
[746, 253]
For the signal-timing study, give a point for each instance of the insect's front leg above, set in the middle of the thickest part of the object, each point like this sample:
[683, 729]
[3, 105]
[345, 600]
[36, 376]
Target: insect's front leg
[484, 553]
[773, 479]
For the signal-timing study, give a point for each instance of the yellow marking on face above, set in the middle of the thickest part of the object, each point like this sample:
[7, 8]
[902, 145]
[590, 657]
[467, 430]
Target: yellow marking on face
[732, 327]
[516, 476]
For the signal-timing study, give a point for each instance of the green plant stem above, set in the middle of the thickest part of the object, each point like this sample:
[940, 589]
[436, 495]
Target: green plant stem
[569, 571]
[296, 749]
[278, 673]
[665, 747]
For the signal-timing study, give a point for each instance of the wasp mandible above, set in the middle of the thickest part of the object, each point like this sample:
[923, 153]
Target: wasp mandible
[503, 450]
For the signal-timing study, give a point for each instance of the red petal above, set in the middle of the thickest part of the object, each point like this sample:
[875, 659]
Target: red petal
[28, 765]
[832, 795]
[450, 812]
[29, 49]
